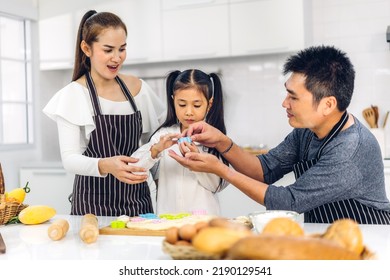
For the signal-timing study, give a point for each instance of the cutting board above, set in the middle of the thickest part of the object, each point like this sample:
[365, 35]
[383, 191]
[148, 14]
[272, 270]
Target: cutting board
[128, 231]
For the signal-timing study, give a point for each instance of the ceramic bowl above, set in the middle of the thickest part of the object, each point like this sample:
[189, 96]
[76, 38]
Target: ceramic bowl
[260, 218]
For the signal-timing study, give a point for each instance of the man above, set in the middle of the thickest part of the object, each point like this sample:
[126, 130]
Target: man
[336, 160]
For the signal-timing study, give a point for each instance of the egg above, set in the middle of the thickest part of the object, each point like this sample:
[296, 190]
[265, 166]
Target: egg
[201, 225]
[172, 235]
[186, 232]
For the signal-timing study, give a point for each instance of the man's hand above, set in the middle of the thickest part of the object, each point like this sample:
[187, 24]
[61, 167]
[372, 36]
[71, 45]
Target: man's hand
[199, 162]
[204, 134]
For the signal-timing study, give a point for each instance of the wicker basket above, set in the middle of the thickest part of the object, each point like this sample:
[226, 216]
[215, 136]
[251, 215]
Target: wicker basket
[8, 210]
[182, 252]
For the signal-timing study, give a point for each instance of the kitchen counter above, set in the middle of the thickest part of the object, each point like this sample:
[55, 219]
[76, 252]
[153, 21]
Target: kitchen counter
[32, 242]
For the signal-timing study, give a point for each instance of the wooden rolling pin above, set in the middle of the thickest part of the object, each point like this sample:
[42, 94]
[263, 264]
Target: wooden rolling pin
[58, 229]
[89, 230]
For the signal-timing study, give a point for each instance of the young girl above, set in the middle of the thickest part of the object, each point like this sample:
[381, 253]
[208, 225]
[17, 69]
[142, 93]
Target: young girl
[192, 96]
[99, 122]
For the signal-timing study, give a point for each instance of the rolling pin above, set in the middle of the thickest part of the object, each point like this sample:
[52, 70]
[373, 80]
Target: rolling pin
[58, 229]
[89, 230]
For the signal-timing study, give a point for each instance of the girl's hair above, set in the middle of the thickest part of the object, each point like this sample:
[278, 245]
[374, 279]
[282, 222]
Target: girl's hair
[91, 26]
[208, 84]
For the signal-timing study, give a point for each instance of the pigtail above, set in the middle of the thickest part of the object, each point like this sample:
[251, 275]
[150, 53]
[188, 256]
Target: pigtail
[82, 63]
[215, 116]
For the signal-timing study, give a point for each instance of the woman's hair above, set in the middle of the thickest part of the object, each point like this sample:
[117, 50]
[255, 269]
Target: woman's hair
[208, 84]
[91, 26]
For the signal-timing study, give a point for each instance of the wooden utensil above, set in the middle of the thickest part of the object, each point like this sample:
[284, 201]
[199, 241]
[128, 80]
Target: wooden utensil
[369, 116]
[89, 231]
[386, 117]
[58, 229]
[376, 112]
[2, 245]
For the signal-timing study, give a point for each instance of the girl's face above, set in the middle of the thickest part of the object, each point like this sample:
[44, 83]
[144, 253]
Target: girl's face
[108, 53]
[190, 106]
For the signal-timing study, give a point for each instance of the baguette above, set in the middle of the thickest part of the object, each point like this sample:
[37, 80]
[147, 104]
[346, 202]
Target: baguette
[271, 247]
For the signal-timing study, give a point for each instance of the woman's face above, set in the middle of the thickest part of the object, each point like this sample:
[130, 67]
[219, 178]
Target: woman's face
[108, 53]
[190, 106]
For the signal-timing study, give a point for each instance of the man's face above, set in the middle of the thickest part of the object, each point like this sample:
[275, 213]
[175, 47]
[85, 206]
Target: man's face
[299, 104]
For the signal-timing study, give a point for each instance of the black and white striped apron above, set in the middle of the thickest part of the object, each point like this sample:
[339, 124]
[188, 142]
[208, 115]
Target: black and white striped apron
[349, 208]
[114, 135]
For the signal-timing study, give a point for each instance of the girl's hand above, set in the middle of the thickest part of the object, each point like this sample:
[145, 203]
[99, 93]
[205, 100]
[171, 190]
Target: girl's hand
[186, 147]
[165, 142]
[118, 167]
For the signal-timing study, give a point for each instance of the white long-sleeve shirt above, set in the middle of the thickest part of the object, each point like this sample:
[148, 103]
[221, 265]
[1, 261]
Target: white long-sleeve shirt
[180, 189]
[72, 109]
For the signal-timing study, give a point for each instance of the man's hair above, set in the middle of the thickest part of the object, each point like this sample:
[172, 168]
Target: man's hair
[328, 72]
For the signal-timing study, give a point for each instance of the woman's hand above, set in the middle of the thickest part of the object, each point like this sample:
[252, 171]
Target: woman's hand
[118, 167]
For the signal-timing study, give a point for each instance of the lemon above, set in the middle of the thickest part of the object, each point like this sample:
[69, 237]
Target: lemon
[18, 194]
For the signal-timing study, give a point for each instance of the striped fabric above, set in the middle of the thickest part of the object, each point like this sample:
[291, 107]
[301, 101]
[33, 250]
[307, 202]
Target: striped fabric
[350, 208]
[114, 135]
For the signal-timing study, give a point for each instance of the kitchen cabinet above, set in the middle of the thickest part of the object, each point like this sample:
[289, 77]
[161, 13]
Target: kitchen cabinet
[48, 186]
[266, 26]
[171, 30]
[57, 42]
[195, 29]
[144, 40]
[143, 23]
[142, 19]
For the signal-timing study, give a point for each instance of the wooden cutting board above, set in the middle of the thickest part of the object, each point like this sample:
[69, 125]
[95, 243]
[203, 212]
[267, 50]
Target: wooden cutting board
[128, 231]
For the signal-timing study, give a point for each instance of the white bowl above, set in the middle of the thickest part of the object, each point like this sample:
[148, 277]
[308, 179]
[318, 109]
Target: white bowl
[260, 218]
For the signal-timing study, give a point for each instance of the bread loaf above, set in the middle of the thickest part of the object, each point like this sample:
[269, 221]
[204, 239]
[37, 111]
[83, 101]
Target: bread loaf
[277, 247]
[217, 240]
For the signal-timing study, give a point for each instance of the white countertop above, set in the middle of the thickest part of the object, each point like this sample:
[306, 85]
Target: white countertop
[32, 242]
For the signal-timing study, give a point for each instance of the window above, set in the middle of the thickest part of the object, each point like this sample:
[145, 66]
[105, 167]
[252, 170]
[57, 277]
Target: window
[16, 102]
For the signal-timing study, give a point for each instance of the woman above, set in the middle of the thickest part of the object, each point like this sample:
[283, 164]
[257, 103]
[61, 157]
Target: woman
[101, 116]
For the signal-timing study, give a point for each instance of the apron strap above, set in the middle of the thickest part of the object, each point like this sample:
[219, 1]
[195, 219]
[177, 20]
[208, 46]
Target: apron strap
[305, 164]
[333, 133]
[93, 94]
[94, 97]
[127, 93]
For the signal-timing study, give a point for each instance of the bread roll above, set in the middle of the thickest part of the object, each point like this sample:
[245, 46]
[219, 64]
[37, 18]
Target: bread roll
[217, 240]
[346, 233]
[271, 247]
[283, 226]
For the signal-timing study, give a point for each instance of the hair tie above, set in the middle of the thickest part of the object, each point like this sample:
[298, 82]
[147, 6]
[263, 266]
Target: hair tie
[212, 87]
